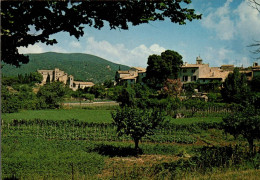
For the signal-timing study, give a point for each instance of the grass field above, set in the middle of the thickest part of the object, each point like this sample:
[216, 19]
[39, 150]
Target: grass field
[88, 115]
[62, 114]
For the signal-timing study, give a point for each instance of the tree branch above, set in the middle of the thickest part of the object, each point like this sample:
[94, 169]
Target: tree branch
[254, 4]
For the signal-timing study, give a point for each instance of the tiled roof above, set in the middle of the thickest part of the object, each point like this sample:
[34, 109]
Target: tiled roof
[191, 65]
[123, 72]
[140, 69]
[129, 77]
[215, 74]
[227, 65]
[83, 83]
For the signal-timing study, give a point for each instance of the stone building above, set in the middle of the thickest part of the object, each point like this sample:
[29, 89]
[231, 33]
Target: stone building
[203, 73]
[58, 75]
[131, 76]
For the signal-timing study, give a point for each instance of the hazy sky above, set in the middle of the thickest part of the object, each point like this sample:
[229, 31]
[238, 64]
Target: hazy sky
[221, 37]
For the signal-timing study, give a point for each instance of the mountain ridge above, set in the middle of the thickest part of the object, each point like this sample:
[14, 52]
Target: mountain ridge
[84, 67]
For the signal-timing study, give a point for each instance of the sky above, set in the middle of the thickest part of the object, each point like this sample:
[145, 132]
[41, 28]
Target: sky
[222, 36]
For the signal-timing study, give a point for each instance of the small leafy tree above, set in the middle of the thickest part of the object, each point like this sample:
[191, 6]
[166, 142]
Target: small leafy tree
[245, 123]
[51, 95]
[136, 122]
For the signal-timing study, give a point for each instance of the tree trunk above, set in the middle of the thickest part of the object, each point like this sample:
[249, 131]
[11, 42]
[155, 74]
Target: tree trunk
[136, 146]
[251, 145]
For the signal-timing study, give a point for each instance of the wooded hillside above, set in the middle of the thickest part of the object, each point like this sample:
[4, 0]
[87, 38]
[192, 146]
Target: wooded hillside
[83, 67]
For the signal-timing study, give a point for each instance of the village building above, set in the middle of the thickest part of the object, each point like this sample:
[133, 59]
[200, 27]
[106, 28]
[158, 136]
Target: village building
[255, 69]
[61, 76]
[131, 76]
[202, 73]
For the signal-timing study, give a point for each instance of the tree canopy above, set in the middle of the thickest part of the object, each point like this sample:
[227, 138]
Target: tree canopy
[235, 88]
[136, 122]
[27, 22]
[161, 67]
[244, 122]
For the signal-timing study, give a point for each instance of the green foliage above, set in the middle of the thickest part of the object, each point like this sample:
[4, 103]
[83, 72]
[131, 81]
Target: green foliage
[245, 123]
[214, 97]
[161, 67]
[235, 88]
[255, 84]
[25, 156]
[211, 87]
[195, 105]
[108, 83]
[206, 160]
[136, 122]
[89, 97]
[98, 90]
[27, 97]
[127, 97]
[51, 95]
[9, 101]
[31, 79]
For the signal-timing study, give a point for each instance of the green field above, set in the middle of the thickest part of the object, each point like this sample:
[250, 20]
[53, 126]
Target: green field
[88, 115]
[83, 144]
[62, 114]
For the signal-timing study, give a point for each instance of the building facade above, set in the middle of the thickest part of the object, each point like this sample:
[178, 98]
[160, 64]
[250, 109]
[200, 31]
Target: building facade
[131, 76]
[202, 73]
[61, 76]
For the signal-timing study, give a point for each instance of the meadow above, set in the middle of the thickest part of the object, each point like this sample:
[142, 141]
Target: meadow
[85, 115]
[88, 114]
[83, 144]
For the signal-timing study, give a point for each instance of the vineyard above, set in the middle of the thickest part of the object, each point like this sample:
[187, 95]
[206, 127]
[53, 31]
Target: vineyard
[78, 149]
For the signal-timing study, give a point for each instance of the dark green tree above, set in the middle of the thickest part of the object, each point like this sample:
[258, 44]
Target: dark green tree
[20, 18]
[244, 122]
[108, 83]
[51, 95]
[48, 79]
[159, 68]
[9, 101]
[35, 77]
[136, 122]
[235, 88]
[255, 84]
[127, 97]
[98, 90]
[27, 97]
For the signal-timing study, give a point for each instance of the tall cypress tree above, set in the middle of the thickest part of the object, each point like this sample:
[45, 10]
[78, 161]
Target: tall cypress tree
[48, 79]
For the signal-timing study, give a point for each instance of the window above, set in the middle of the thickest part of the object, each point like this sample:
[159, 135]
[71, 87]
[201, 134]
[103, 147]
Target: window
[193, 70]
[184, 70]
[193, 78]
[185, 78]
